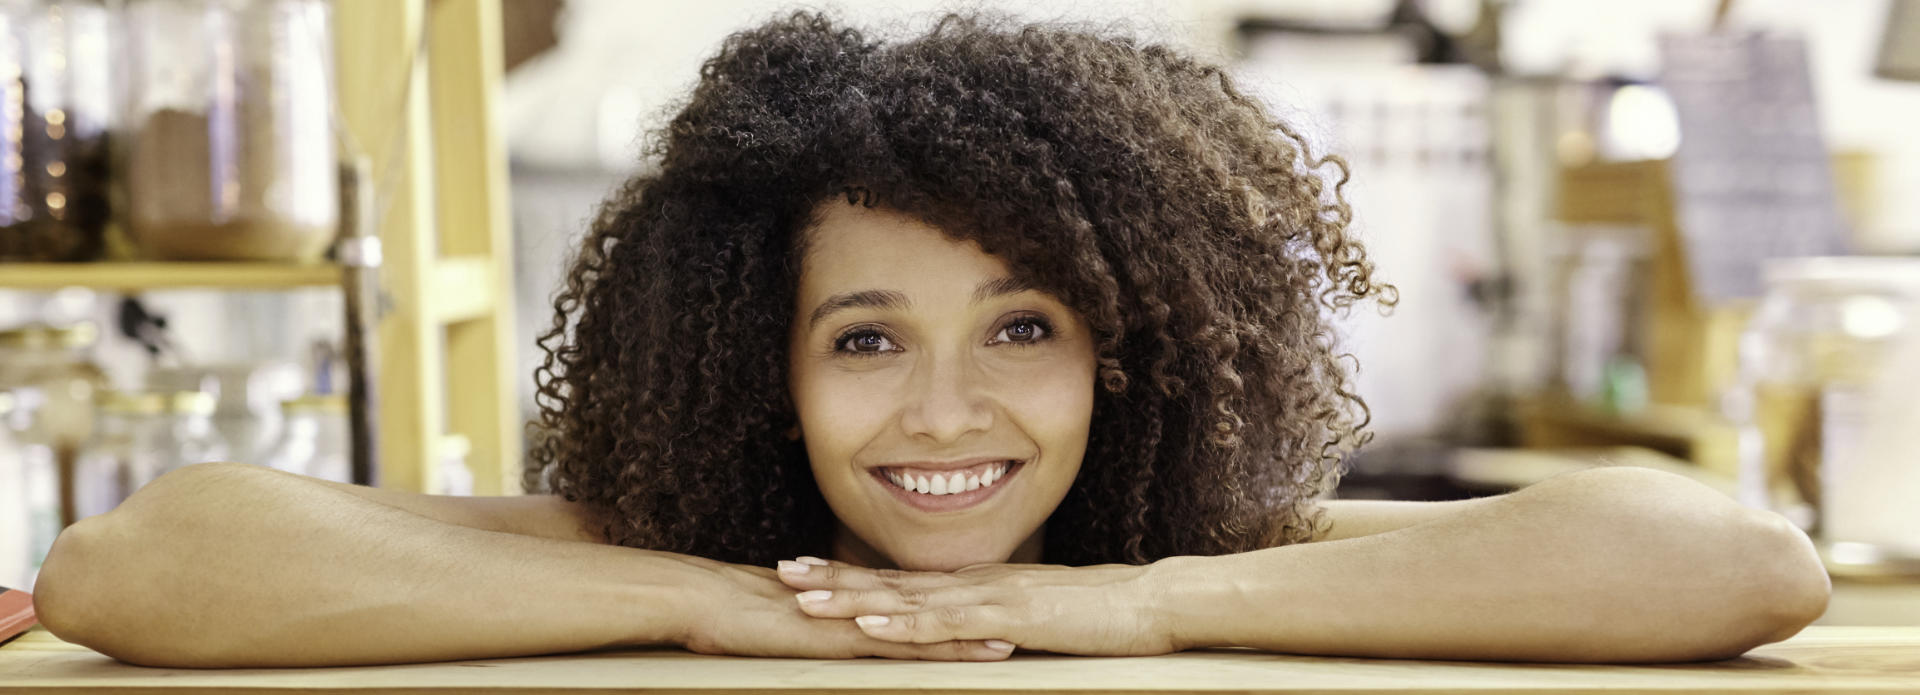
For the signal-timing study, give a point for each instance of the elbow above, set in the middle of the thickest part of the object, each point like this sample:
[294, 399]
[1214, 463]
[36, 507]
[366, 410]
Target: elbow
[60, 592]
[1788, 590]
[1796, 576]
[94, 588]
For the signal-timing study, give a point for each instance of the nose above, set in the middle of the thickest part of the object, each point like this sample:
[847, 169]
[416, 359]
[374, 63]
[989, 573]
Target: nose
[945, 401]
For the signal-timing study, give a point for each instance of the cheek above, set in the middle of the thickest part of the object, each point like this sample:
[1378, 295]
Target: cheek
[838, 414]
[1054, 404]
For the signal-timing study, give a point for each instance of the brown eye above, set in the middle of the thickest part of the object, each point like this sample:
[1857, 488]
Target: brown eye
[864, 342]
[1025, 331]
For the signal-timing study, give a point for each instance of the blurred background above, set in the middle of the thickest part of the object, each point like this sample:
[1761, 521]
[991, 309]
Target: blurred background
[322, 236]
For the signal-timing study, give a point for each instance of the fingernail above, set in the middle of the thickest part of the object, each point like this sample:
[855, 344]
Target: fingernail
[791, 567]
[871, 620]
[1000, 645]
[811, 560]
[814, 596]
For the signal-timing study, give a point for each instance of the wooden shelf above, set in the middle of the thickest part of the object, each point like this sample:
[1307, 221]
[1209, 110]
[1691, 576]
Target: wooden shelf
[138, 276]
[1690, 433]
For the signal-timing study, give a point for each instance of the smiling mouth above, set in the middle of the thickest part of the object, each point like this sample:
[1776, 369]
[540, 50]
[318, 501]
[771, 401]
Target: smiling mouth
[975, 485]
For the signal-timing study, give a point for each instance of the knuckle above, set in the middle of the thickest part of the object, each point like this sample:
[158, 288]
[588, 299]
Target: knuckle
[911, 597]
[951, 616]
[890, 578]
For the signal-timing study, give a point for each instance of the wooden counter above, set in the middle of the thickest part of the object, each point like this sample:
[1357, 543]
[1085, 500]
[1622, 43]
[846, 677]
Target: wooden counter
[1818, 660]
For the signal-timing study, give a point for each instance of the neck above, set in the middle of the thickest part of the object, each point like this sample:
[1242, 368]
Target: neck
[850, 548]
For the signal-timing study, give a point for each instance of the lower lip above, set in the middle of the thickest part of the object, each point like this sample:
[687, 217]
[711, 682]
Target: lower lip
[946, 503]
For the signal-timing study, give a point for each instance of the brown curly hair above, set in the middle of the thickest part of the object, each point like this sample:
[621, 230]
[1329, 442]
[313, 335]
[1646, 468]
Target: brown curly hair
[1193, 231]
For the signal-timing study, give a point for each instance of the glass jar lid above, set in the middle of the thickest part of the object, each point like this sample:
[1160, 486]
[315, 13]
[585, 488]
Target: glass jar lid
[330, 404]
[132, 402]
[191, 403]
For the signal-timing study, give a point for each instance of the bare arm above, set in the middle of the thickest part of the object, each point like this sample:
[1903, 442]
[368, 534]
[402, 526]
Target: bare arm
[541, 516]
[222, 565]
[1608, 565]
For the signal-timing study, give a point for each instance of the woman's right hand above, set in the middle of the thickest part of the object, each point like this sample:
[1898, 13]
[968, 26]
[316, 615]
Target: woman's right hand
[748, 611]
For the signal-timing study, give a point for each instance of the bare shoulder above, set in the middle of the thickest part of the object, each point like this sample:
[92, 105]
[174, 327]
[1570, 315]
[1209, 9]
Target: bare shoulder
[1355, 518]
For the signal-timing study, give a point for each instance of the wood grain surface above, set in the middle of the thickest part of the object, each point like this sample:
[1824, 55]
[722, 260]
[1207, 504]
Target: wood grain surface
[1818, 660]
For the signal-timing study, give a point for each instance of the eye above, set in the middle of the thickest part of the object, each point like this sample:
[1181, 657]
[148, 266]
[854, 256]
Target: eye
[863, 342]
[1025, 330]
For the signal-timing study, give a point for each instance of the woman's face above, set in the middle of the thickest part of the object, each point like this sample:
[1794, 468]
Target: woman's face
[911, 353]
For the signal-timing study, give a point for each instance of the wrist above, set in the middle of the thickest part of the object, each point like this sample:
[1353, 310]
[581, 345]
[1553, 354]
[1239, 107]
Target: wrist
[667, 600]
[1195, 597]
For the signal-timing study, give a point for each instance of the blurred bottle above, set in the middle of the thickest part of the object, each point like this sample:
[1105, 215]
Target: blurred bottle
[58, 363]
[31, 463]
[455, 477]
[124, 453]
[190, 437]
[16, 523]
[313, 440]
[230, 148]
[55, 113]
[1813, 355]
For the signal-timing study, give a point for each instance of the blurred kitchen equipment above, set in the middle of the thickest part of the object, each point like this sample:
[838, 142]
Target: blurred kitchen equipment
[57, 363]
[1752, 177]
[55, 111]
[57, 360]
[247, 399]
[124, 452]
[190, 437]
[1814, 362]
[28, 467]
[231, 153]
[314, 441]
[456, 478]
[1600, 287]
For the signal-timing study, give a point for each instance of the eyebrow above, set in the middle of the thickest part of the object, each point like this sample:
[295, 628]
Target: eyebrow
[894, 300]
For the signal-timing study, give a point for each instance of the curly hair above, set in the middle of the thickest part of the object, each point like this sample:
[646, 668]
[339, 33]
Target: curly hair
[1197, 235]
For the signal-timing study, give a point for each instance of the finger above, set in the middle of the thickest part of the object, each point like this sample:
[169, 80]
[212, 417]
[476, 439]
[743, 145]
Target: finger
[838, 575]
[852, 642]
[940, 624]
[956, 650]
[851, 603]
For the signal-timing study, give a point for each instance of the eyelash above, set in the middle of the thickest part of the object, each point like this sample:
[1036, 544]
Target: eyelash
[1040, 322]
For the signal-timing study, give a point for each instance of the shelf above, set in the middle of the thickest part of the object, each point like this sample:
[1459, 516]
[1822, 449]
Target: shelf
[138, 276]
[1690, 433]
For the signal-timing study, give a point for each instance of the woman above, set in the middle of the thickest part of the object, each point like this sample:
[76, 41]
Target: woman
[1071, 290]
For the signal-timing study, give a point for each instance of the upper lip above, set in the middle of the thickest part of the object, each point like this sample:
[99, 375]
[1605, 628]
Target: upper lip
[953, 465]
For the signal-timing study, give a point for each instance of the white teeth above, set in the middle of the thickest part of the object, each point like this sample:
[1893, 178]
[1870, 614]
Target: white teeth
[949, 485]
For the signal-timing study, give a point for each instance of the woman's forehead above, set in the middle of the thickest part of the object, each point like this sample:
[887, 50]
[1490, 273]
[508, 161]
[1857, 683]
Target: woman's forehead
[851, 245]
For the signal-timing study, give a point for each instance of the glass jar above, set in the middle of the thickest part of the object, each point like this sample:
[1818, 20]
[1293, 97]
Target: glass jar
[55, 113]
[314, 440]
[455, 477]
[33, 466]
[16, 523]
[1813, 379]
[124, 453]
[58, 361]
[190, 437]
[230, 146]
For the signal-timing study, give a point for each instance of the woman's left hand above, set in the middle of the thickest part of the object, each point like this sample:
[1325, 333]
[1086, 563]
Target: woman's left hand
[1098, 610]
